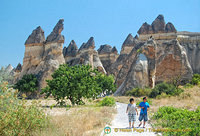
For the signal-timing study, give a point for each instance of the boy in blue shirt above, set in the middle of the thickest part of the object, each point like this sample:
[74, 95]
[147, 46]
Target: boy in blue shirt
[143, 113]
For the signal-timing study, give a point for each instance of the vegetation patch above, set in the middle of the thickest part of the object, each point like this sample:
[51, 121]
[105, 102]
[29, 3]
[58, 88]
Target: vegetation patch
[182, 121]
[78, 82]
[107, 101]
[164, 89]
[139, 92]
[16, 117]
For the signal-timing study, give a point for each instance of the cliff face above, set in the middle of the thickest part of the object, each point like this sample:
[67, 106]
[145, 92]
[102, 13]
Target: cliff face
[42, 56]
[191, 42]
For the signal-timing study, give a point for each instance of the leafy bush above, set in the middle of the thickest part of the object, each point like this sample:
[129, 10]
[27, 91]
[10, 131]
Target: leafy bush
[28, 83]
[139, 92]
[78, 82]
[188, 85]
[168, 89]
[16, 117]
[107, 101]
[178, 119]
[195, 79]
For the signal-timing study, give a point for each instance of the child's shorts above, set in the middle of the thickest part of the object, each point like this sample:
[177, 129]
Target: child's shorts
[143, 117]
[131, 117]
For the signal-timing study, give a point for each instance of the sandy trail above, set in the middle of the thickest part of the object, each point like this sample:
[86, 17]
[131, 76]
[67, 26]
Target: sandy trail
[120, 124]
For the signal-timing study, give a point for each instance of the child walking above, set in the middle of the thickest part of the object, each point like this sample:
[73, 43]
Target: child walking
[131, 110]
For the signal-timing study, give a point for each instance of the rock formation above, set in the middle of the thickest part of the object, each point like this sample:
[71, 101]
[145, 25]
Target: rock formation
[168, 53]
[127, 46]
[191, 42]
[166, 58]
[107, 55]
[43, 57]
[87, 55]
[158, 26]
[165, 61]
[70, 52]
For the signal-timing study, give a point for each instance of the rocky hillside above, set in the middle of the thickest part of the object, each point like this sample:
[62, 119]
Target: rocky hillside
[168, 54]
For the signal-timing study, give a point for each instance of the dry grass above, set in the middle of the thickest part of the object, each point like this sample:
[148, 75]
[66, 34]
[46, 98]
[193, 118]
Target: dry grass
[189, 99]
[125, 99]
[82, 121]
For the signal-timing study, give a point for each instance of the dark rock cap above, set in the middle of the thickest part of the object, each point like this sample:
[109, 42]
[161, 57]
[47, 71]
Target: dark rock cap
[37, 36]
[145, 29]
[129, 41]
[18, 68]
[114, 50]
[158, 24]
[71, 50]
[136, 37]
[170, 28]
[104, 49]
[90, 44]
[55, 35]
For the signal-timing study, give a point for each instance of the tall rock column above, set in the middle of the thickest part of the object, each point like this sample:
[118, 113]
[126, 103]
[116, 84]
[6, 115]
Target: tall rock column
[52, 56]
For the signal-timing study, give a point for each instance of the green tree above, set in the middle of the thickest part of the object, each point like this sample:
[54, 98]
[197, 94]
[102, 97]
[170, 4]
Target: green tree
[77, 82]
[28, 83]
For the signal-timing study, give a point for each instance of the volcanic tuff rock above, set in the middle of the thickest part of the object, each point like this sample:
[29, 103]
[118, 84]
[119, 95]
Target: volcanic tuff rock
[9, 68]
[191, 42]
[90, 44]
[157, 26]
[107, 55]
[166, 61]
[127, 46]
[170, 28]
[18, 68]
[71, 51]
[36, 37]
[87, 55]
[55, 35]
[169, 54]
[43, 57]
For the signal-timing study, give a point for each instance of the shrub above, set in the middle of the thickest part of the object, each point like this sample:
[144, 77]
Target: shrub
[168, 89]
[195, 79]
[139, 92]
[178, 119]
[77, 82]
[16, 117]
[107, 101]
[188, 85]
[28, 83]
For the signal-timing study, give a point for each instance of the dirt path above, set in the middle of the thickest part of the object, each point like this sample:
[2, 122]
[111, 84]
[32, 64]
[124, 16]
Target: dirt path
[120, 125]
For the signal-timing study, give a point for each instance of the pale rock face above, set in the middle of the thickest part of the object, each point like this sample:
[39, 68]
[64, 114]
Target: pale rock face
[107, 55]
[9, 68]
[41, 57]
[127, 46]
[166, 60]
[191, 42]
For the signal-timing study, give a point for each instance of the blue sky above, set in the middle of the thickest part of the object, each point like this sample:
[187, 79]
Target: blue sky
[108, 21]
